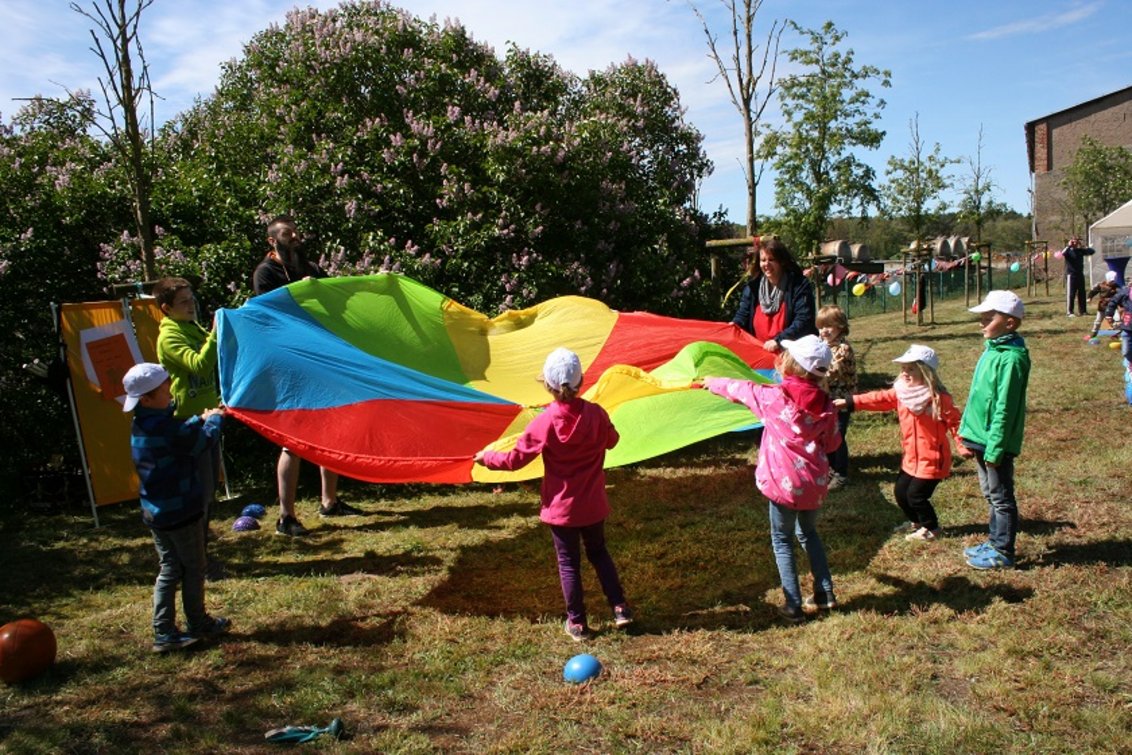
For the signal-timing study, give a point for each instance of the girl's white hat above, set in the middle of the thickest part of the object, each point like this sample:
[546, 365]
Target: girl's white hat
[918, 353]
[562, 367]
[812, 353]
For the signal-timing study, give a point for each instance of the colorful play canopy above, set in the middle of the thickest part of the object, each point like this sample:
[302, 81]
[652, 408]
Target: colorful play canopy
[382, 379]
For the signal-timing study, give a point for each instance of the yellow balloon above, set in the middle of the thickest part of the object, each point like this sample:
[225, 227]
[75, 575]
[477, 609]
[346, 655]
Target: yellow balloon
[1114, 344]
[859, 289]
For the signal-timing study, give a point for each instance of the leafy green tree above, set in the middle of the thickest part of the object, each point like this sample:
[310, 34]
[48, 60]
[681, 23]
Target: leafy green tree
[828, 114]
[916, 183]
[1098, 181]
[499, 182]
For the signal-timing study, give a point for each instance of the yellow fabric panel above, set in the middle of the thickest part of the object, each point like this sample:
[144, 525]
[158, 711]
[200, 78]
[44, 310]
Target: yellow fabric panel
[503, 355]
[147, 317]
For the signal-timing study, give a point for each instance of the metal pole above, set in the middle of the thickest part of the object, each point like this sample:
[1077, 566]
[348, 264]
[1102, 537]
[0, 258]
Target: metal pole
[57, 313]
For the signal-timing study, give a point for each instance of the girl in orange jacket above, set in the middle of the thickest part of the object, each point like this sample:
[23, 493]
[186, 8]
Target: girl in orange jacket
[927, 417]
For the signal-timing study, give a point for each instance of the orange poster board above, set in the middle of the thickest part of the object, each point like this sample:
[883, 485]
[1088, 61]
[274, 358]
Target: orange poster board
[101, 346]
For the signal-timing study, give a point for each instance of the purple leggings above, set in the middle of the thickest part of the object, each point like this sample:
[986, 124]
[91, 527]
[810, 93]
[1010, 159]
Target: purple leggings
[568, 543]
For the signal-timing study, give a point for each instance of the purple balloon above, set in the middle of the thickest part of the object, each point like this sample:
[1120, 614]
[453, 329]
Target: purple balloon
[254, 510]
[245, 524]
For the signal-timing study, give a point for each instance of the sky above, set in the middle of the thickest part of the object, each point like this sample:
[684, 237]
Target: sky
[957, 65]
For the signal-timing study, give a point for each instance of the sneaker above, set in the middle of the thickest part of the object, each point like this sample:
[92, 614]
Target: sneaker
[214, 627]
[837, 481]
[990, 559]
[793, 614]
[923, 533]
[820, 600]
[175, 640]
[339, 508]
[577, 632]
[975, 550]
[290, 526]
[622, 616]
[906, 527]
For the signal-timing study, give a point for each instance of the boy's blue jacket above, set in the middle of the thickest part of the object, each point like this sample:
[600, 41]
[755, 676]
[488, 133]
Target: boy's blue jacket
[165, 451]
[995, 416]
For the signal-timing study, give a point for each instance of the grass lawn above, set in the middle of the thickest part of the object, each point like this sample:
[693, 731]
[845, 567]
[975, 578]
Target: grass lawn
[434, 623]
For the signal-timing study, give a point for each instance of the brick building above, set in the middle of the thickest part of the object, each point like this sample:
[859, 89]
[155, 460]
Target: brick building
[1051, 144]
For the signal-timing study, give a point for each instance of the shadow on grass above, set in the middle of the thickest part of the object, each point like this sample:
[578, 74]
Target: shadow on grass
[1025, 526]
[1109, 552]
[958, 593]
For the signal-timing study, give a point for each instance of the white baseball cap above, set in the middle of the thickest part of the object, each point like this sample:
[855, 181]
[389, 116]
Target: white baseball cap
[1110, 276]
[812, 353]
[562, 368]
[918, 353]
[1006, 302]
[140, 380]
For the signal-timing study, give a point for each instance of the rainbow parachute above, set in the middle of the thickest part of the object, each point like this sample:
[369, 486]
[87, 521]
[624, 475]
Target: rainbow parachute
[382, 379]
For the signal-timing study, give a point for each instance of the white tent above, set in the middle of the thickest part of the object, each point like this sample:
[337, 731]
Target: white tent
[1111, 236]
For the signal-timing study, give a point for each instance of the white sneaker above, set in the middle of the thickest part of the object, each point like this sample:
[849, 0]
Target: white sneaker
[923, 534]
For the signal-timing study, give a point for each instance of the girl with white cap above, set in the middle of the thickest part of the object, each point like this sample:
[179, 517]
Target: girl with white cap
[927, 417]
[572, 435]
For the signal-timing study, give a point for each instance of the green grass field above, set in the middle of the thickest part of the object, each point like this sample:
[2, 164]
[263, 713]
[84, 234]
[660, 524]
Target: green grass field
[434, 624]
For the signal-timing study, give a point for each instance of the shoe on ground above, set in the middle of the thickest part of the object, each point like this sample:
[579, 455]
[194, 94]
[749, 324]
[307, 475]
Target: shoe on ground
[577, 632]
[166, 643]
[837, 481]
[339, 508]
[622, 616]
[793, 614]
[923, 533]
[975, 550]
[290, 526]
[820, 601]
[990, 559]
[214, 627]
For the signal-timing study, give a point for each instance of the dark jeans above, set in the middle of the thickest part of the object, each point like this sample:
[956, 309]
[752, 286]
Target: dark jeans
[181, 556]
[568, 543]
[839, 459]
[997, 485]
[1075, 293]
[914, 497]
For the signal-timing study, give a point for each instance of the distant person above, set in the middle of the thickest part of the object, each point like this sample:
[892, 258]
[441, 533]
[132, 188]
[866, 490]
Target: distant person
[285, 263]
[167, 452]
[1119, 311]
[833, 327]
[800, 430]
[928, 420]
[1074, 257]
[778, 302]
[993, 422]
[1104, 291]
[572, 435]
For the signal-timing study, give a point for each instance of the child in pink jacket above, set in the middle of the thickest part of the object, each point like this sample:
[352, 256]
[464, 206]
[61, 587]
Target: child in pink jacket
[799, 431]
[572, 435]
[928, 420]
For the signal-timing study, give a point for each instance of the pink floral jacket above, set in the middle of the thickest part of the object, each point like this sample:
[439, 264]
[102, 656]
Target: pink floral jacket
[793, 470]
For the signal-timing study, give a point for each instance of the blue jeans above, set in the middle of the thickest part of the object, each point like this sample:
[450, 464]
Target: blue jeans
[567, 546]
[783, 522]
[997, 486]
[181, 555]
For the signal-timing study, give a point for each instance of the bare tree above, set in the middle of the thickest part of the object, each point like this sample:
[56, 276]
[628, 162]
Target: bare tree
[977, 202]
[124, 92]
[739, 72]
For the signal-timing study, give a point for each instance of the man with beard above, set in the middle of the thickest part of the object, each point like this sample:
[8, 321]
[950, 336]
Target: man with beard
[285, 263]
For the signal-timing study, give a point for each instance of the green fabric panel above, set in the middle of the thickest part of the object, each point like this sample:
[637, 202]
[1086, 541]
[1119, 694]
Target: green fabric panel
[388, 316]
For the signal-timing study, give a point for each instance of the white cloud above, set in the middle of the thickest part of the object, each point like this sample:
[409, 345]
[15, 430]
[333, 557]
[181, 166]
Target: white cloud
[1039, 25]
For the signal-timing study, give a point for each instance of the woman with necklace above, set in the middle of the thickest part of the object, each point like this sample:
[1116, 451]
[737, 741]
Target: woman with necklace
[778, 302]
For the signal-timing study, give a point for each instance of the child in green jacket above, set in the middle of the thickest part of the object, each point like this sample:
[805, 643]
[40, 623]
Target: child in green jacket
[993, 422]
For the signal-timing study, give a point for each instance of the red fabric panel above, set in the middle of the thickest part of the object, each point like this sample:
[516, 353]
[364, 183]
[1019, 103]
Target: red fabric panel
[404, 441]
[767, 326]
[647, 341]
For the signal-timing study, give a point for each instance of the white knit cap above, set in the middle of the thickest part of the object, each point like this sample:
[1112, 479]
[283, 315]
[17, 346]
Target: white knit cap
[562, 368]
[140, 380]
[812, 353]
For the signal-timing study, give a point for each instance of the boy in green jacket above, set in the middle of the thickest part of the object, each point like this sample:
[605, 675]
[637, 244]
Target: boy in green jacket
[993, 421]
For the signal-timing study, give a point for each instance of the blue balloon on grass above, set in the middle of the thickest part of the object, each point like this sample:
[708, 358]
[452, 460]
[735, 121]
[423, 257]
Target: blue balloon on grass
[581, 668]
[254, 510]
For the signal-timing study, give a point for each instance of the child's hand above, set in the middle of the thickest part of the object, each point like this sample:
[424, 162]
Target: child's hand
[840, 403]
[696, 385]
[963, 451]
[478, 458]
